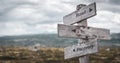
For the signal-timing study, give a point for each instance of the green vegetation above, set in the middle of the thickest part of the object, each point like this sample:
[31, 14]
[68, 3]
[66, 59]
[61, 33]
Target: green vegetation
[54, 55]
[52, 40]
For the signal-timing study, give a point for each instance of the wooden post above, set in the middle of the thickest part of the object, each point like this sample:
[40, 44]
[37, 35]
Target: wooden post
[82, 59]
[84, 22]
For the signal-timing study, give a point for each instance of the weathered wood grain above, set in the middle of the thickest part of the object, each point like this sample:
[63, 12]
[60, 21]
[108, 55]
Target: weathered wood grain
[81, 14]
[83, 48]
[74, 31]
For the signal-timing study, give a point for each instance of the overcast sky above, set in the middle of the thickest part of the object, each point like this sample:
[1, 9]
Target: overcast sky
[42, 16]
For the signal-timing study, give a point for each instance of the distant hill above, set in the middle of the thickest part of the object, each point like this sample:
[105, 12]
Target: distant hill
[115, 40]
[115, 35]
[51, 40]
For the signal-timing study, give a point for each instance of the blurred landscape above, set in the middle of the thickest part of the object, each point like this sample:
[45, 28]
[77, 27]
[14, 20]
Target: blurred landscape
[52, 40]
[48, 48]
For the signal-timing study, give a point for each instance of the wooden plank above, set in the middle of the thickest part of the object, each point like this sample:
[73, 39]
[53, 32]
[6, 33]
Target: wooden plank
[83, 23]
[85, 47]
[81, 14]
[74, 31]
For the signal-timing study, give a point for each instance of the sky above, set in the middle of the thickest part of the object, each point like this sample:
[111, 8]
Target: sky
[19, 17]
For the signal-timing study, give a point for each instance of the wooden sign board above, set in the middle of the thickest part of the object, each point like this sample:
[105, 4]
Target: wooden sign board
[72, 31]
[85, 47]
[81, 14]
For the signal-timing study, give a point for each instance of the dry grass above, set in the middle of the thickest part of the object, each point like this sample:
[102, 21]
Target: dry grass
[53, 55]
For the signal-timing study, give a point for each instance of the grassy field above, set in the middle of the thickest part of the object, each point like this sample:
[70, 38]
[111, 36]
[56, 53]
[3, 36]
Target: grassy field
[54, 55]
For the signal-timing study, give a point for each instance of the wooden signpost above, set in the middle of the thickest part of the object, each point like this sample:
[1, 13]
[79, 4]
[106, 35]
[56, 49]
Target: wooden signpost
[87, 36]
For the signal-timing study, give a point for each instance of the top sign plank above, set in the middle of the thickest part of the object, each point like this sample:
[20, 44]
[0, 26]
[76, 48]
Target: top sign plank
[81, 14]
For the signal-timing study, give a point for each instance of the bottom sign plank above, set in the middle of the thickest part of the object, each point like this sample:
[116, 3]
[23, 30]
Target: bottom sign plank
[73, 31]
[83, 48]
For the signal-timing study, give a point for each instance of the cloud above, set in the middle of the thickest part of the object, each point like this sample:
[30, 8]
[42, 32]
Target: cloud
[108, 5]
[19, 28]
[42, 16]
[114, 2]
[12, 28]
[106, 19]
[116, 19]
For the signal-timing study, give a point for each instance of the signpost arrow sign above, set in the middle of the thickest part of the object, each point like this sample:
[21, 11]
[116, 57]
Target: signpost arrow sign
[85, 47]
[90, 9]
[81, 14]
[72, 31]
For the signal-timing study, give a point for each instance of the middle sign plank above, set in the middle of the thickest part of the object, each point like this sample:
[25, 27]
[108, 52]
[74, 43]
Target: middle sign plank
[81, 14]
[73, 31]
